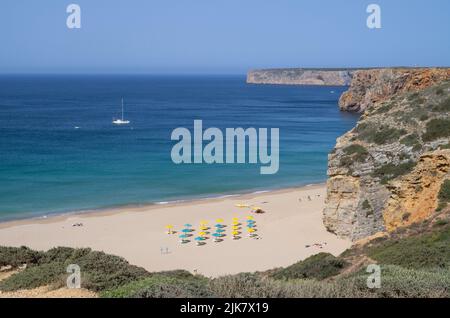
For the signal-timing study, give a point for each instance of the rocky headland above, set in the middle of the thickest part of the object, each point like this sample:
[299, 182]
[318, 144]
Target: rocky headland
[393, 168]
[301, 76]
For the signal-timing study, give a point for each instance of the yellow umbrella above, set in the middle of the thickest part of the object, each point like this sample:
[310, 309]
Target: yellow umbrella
[201, 233]
[235, 219]
[235, 222]
[203, 228]
[169, 228]
[219, 220]
[250, 217]
[235, 227]
[250, 230]
[235, 232]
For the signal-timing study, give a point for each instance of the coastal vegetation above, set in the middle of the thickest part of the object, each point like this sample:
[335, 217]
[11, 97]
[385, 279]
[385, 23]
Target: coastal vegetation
[414, 262]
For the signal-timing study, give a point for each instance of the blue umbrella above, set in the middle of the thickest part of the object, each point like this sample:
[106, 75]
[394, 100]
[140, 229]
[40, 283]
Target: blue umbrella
[217, 234]
[220, 231]
[198, 238]
[188, 225]
[185, 230]
[218, 225]
[251, 225]
[182, 236]
[250, 221]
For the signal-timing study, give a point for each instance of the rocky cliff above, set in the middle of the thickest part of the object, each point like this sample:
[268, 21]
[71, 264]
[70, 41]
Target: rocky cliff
[301, 76]
[388, 170]
[369, 87]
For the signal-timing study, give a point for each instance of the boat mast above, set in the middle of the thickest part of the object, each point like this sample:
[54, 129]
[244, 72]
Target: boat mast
[122, 108]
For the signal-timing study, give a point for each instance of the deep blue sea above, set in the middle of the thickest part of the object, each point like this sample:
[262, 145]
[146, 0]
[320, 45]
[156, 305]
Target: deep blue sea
[48, 166]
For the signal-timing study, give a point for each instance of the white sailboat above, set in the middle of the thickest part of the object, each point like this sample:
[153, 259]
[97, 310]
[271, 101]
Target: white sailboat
[121, 121]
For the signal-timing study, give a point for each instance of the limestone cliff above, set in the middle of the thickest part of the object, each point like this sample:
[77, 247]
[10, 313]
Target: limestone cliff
[301, 76]
[369, 87]
[387, 171]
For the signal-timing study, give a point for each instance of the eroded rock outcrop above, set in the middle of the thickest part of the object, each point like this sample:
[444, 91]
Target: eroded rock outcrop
[386, 172]
[415, 196]
[369, 87]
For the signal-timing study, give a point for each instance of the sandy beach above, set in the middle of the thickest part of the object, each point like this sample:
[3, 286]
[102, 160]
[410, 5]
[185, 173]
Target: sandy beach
[291, 222]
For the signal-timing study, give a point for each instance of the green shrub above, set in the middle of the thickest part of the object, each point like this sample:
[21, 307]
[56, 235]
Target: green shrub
[437, 128]
[391, 171]
[444, 192]
[35, 276]
[99, 271]
[358, 152]
[442, 107]
[366, 205]
[319, 266]
[399, 282]
[417, 252]
[246, 285]
[162, 286]
[379, 134]
[440, 222]
[17, 256]
[410, 140]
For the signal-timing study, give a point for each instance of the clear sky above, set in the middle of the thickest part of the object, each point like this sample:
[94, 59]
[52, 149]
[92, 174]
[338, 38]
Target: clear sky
[219, 36]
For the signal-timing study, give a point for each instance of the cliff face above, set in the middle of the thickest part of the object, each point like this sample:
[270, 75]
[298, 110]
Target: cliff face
[299, 76]
[387, 171]
[369, 87]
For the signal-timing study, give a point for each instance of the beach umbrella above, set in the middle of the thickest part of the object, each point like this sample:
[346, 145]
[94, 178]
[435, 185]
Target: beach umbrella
[250, 217]
[250, 230]
[251, 225]
[235, 219]
[220, 231]
[169, 228]
[235, 227]
[235, 232]
[203, 228]
[198, 240]
[216, 234]
[218, 225]
[219, 220]
[202, 233]
[185, 230]
[182, 236]
[188, 225]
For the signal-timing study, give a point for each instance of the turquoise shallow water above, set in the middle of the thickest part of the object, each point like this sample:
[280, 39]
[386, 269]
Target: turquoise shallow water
[48, 166]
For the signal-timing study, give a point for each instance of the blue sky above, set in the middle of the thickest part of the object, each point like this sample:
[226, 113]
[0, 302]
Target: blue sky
[219, 36]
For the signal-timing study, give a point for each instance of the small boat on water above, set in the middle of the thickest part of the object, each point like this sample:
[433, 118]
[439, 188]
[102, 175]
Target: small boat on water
[121, 121]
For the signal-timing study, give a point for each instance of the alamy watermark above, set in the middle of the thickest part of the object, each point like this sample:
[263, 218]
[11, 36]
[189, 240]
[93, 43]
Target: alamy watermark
[74, 19]
[236, 142]
[374, 19]
[374, 279]
[74, 279]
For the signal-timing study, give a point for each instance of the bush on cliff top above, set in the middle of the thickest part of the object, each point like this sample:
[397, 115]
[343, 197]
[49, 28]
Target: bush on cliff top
[99, 271]
[162, 286]
[18, 256]
[430, 250]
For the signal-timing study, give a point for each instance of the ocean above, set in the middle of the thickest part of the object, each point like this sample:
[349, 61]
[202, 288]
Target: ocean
[60, 152]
